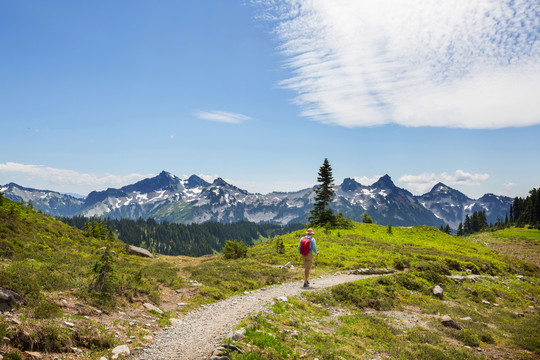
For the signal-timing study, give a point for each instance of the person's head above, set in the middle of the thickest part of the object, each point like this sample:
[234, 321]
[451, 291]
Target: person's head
[309, 232]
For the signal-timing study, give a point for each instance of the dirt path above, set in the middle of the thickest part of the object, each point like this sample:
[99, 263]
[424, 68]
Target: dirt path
[196, 335]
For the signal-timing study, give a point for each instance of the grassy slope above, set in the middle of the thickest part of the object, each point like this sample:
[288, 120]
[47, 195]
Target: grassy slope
[50, 264]
[397, 316]
[49, 261]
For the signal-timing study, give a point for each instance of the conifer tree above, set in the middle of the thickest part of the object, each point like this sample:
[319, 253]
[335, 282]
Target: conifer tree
[321, 214]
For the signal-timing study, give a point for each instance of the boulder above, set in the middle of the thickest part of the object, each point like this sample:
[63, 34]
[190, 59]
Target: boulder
[282, 299]
[151, 307]
[438, 291]
[449, 322]
[139, 251]
[120, 350]
[9, 299]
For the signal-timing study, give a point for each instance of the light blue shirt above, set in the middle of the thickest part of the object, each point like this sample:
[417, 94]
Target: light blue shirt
[312, 245]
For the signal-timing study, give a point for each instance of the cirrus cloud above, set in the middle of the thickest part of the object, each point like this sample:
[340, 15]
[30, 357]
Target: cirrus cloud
[221, 116]
[447, 63]
[423, 182]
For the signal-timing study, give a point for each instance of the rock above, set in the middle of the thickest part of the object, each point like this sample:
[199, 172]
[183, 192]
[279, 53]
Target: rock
[282, 299]
[231, 347]
[151, 307]
[485, 302]
[467, 318]
[139, 251]
[9, 299]
[103, 358]
[236, 335]
[458, 278]
[32, 355]
[148, 338]
[449, 322]
[15, 321]
[438, 291]
[69, 324]
[181, 304]
[287, 265]
[120, 350]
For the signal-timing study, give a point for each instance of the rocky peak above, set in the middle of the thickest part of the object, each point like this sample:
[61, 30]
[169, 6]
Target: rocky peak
[350, 184]
[194, 181]
[384, 182]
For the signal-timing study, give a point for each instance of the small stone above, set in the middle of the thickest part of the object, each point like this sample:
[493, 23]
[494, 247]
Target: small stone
[282, 299]
[120, 350]
[449, 322]
[438, 291]
[103, 358]
[69, 324]
[132, 323]
[32, 355]
[236, 335]
[287, 265]
[151, 307]
[76, 350]
[467, 318]
[485, 302]
[15, 321]
[148, 338]
[181, 304]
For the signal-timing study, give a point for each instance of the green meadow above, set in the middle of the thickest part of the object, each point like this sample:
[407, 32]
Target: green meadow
[393, 316]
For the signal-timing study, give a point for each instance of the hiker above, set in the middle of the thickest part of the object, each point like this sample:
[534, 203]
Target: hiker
[306, 248]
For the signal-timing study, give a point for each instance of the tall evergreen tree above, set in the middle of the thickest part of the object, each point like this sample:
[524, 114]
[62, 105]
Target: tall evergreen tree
[321, 214]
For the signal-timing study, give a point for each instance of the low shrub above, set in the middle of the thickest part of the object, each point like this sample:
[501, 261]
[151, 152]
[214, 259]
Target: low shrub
[234, 250]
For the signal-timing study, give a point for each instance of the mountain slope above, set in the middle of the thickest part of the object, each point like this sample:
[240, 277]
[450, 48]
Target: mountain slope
[452, 206]
[166, 197]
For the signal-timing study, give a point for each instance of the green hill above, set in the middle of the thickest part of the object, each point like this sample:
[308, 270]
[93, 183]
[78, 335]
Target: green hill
[492, 297]
[52, 266]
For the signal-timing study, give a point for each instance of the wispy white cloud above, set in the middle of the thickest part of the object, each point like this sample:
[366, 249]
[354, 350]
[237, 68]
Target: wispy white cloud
[221, 116]
[424, 182]
[364, 180]
[510, 185]
[68, 180]
[448, 63]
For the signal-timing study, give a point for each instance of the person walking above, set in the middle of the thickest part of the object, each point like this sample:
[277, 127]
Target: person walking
[307, 247]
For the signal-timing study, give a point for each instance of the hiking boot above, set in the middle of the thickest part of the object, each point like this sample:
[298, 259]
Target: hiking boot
[306, 284]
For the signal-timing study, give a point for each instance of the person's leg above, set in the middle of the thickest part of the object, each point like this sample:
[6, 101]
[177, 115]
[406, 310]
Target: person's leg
[306, 273]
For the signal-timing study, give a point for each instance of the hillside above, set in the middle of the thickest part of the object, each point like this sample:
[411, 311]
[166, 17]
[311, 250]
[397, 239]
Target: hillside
[50, 264]
[492, 298]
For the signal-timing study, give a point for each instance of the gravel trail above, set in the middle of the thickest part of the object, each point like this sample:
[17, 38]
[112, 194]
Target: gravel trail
[196, 335]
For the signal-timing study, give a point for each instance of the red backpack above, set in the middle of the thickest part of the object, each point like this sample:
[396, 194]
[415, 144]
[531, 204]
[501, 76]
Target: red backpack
[305, 245]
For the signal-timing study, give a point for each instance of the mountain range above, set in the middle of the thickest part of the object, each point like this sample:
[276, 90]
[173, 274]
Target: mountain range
[166, 197]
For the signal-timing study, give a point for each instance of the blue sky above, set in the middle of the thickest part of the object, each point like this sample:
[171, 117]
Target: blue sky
[100, 94]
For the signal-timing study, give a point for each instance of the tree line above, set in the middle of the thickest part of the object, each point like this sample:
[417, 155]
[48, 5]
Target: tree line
[522, 212]
[179, 239]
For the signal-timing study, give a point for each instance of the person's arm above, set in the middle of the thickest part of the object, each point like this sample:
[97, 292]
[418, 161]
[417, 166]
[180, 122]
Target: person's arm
[314, 246]
[300, 242]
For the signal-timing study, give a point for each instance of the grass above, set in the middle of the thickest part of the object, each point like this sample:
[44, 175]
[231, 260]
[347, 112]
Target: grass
[366, 319]
[377, 309]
